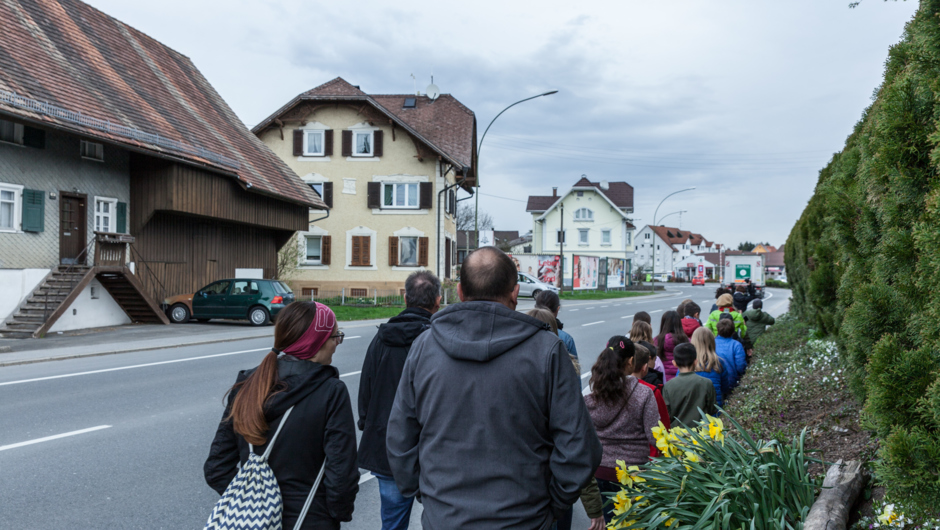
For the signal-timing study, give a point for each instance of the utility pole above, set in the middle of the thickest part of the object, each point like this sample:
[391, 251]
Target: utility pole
[561, 255]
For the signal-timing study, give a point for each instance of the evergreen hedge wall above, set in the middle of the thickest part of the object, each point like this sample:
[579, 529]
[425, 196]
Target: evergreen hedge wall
[864, 261]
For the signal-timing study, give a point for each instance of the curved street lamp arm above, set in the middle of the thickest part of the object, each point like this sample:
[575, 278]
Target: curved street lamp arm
[480, 145]
[664, 200]
[673, 213]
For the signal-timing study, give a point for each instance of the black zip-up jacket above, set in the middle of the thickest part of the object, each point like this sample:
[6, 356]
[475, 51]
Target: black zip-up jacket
[741, 300]
[381, 372]
[321, 425]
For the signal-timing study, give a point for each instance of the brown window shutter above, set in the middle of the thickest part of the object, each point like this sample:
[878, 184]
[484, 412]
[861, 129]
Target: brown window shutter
[366, 259]
[347, 143]
[374, 194]
[377, 143]
[298, 142]
[328, 143]
[356, 258]
[423, 251]
[326, 248]
[328, 193]
[392, 251]
[427, 196]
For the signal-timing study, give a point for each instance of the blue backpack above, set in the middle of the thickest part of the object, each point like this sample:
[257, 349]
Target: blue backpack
[253, 500]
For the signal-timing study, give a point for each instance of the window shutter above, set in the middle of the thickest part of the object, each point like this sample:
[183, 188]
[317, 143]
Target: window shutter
[33, 137]
[392, 251]
[453, 202]
[298, 142]
[377, 143]
[347, 143]
[328, 143]
[34, 210]
[328, 193]
[121, 222]
[374, 194]
[356, 259]
[326, 247]
[366, 250]
[423, 251]
[427, 199]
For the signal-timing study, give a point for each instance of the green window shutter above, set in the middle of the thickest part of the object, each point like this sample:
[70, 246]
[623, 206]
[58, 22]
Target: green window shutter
[122, 218]
[34, 210]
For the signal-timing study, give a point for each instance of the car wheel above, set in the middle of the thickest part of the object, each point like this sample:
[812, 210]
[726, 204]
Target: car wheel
[536, 292]
[179, 314]
[258, 316]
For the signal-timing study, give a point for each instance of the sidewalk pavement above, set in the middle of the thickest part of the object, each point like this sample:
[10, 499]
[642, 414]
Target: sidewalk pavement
[139, 337]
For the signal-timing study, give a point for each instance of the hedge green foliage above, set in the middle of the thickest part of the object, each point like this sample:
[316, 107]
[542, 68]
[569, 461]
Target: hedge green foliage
[863, 261]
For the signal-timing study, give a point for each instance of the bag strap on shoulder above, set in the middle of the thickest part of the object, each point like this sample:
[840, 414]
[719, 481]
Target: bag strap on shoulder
[267, 452]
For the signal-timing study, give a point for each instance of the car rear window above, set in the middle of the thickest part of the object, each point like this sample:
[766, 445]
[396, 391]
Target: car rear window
[281, 288]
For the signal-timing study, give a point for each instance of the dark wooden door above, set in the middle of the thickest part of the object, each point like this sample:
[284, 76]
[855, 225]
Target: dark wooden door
[72, 227]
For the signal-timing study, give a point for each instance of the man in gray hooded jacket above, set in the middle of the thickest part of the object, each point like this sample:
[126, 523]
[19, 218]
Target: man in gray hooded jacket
[488, 423]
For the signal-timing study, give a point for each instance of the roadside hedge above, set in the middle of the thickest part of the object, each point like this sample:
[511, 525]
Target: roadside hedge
[863, 261]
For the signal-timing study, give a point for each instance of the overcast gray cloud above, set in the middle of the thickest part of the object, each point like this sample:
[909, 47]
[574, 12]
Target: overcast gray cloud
[744, 100]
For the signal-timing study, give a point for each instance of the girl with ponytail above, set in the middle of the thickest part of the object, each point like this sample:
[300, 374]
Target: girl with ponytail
[295, 373]
[623, 411]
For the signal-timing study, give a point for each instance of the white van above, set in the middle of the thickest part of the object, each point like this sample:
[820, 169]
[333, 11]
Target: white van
[530, 286]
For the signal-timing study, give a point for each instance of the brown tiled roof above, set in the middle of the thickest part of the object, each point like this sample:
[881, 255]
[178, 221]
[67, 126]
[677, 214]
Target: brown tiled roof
[711, 257]
[445, 125]
[774, 259]
[620, 193]
[539, 203]
[672, 236]
[698, 239]
[70, 55]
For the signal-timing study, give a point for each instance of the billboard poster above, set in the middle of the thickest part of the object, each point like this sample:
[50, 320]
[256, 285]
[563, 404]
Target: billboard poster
[585, 272]
[616, 273]
[543, 267]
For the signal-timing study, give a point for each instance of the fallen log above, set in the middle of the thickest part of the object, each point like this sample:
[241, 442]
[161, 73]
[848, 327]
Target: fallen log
[843, 483]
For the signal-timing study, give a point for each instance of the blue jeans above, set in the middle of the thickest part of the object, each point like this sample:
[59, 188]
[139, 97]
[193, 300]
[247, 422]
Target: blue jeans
[564, 523]
[396, 509]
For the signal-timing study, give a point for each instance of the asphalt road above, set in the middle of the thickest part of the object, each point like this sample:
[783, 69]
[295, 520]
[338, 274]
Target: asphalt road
[119, 441]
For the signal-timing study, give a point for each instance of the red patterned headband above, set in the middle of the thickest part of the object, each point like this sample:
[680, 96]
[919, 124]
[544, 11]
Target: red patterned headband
[316, 335]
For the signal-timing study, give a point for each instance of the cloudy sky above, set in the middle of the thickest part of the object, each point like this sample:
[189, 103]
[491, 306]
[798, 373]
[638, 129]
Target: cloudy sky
[744, 99]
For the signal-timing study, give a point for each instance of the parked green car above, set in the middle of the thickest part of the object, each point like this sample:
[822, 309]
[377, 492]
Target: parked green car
[257, 301]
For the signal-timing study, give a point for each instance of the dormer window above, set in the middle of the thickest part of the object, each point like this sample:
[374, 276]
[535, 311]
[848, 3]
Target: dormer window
[583, 214]
[410, 103]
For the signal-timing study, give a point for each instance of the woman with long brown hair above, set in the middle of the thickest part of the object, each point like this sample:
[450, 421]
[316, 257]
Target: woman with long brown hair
[623, 411]
[319, 428]
[670, 335]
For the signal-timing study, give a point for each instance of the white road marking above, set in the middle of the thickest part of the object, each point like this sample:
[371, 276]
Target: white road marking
[366, 478]
[351, 373]
[132, 366]
[351, 338]
[628, 316]
[585, 375]
[54, 437]
[616, 305]
[586, 390]
[573, 310]
[592, 323]
[603, 306]
[592, 307]
[657, 311]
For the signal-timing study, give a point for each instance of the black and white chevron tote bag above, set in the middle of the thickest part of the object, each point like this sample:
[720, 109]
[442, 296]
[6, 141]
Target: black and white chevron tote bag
[253, 500]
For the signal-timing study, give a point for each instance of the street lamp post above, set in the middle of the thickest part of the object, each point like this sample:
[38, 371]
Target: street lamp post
[476, 206]
[655, 254]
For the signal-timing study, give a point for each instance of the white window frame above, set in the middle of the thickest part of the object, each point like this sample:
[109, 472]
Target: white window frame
[17, 207]
[588, 216]
[111, 215]
[395, 185]
[317, 187]
[322, 134]
[401, 247]
[18, 131]
[96, 149]
[646, 236]
[627, 238]
[355, 143]
[605, 234]
[583, 237]
[306, 257]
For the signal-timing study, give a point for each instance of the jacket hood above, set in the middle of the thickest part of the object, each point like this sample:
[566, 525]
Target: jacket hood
[481, 331]
[402, 330]
[301, 378]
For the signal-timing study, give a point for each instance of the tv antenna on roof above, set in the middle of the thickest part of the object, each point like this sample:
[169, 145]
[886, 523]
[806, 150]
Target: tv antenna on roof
[415, 82]
[433, 91]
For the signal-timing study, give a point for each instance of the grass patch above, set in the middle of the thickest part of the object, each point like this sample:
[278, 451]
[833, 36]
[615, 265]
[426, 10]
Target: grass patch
[346, 313]
[797, 381]
[600, 295]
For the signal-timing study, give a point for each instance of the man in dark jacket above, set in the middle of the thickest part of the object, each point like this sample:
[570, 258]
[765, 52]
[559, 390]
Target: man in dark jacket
[489, 424]
[381, 372]
[742, 298]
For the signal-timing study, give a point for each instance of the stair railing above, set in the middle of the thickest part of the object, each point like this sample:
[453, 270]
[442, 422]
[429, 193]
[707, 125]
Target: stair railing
[69, 272]
[159, 295]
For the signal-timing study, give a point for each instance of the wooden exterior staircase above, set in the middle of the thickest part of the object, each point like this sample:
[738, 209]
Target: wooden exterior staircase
[61, 288]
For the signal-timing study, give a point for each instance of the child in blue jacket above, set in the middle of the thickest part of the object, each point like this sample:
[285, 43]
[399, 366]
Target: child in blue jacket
[709, 365]
[731, 352]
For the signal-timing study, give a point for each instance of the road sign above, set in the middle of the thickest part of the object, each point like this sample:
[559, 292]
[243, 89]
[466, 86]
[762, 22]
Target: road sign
[742, 272]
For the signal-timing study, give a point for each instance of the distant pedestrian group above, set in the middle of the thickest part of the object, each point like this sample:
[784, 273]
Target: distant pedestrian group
[475, 410]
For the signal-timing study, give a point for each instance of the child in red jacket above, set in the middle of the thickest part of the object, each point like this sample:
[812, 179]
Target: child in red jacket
[690, 321]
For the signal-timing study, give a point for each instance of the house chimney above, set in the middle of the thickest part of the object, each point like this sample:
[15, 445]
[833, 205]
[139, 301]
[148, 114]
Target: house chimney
[554, 192]
[605, 185]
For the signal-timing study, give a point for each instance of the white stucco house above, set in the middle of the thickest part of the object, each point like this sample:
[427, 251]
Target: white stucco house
[672, 251]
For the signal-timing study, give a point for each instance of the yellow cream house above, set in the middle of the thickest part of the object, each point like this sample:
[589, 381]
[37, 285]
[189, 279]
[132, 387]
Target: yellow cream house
[389, 167]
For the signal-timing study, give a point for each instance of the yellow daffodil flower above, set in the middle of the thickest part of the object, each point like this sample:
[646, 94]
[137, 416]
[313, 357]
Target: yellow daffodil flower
[622, 503]
[715, 428]
[660, 431]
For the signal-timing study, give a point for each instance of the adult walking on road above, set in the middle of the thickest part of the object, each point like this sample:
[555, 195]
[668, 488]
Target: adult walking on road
[742, 297]
[319, 427]
[549, 300]
[488, 424]
[381, 373]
